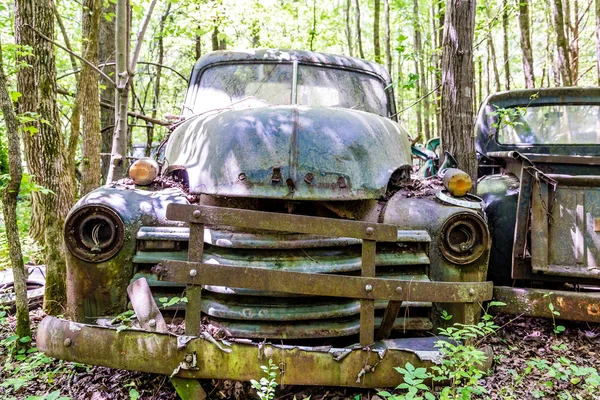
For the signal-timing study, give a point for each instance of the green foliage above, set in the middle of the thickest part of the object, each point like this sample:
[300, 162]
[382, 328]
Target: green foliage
[22, 366]
[32, 251]
[168, 302]
[508, 116]
[561, 380]
[461, 366]
[123, 320]
[265, 388]
[557, 328]
[414, 379]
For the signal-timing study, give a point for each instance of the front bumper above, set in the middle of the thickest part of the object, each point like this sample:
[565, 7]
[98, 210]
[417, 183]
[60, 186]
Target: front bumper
[207, 358]
[199, 356]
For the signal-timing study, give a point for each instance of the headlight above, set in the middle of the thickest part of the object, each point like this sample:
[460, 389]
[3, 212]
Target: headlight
[464, 238]
[457, 182]
[143, 171]
[94, 233]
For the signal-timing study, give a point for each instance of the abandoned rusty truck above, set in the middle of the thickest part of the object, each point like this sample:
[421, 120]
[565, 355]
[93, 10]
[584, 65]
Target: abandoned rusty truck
[540, 166]
[291, 227]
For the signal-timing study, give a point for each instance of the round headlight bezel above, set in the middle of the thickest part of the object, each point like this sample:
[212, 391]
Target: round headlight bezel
[94, 233]
[464, 238]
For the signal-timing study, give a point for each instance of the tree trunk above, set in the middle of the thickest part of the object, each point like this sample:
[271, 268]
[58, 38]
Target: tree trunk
[437, 41]
[28, 103]
[423, 107]
[457, 84]
[313, 31]
[574, 41]
[494, 63]
[564, 62]
[505, 52]
[598, 39]
[9, 209]
[376, 46]
[106, 53]
[156, 94]
[388, 51]
[492, 49]
[419, 105]
[358, 30]
[349, 28]
[69, 193]
[198, 46]
[480, 79]
[88, 95]
[55, 293]
[527, 53]
[118, 165]
[218, 44]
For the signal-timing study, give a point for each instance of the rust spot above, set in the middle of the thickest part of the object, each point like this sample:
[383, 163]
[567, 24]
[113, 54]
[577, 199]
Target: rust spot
[593, 309]
[596, 224]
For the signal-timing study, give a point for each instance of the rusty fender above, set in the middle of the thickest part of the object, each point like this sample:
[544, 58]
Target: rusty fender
[208, 358]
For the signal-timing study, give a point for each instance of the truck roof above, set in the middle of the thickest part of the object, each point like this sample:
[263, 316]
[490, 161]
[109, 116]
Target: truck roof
[537, 96]
[302, 56]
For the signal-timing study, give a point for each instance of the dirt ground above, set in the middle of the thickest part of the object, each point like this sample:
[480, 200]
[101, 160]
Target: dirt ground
[520, 341]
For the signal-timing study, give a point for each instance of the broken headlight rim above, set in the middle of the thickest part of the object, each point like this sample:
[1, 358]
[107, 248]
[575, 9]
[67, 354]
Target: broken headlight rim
[464, 237]
[94, 233]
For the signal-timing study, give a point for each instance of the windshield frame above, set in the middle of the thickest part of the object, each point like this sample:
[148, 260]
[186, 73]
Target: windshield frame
[191, 93]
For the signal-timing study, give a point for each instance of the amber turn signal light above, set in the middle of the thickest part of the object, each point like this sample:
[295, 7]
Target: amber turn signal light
[143, 171]
[457, 182]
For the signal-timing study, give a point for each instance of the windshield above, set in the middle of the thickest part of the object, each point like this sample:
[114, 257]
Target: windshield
[271, 84]
[549, 124]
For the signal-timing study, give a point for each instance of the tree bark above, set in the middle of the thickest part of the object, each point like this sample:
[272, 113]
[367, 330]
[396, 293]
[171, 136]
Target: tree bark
[526, 50]
[358, 30]
[421, 84]
[88, 95]
[118, 165]
[494, 63]
[457, 84]
[349, 28]
[216, 43]
[9, 209]
[69, 193]
[573, 24]
[505, 52]
[55, 292]
[313, 31]
[28, 104]
[388, 50]
[376, 45]
[106, 53]
[437, 42]
[564, 62]
[156, 94]
[598, 39]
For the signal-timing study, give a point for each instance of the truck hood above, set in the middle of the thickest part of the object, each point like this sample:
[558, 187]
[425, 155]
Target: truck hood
[289, 152]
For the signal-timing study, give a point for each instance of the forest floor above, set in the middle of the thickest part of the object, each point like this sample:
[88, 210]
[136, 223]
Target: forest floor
[531, 361]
